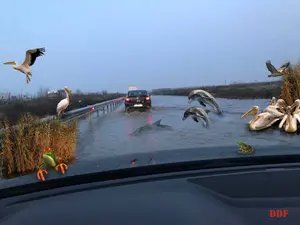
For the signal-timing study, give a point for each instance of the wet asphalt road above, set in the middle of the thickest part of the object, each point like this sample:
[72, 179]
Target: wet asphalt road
[110, 135]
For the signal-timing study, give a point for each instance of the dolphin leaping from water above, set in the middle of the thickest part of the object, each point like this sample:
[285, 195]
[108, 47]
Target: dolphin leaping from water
[197, 114]
[203, 97]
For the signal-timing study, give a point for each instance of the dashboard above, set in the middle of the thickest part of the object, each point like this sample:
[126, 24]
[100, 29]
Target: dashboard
[230, 196]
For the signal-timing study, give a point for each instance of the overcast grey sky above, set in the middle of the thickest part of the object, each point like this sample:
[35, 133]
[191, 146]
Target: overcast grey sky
[95, 45]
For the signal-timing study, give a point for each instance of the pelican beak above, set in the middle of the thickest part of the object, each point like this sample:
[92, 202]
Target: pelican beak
[10, 63]
[69, 91]
[252, 111]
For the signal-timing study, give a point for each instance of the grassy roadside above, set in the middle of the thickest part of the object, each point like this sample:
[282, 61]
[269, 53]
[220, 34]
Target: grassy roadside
[44, 106]
[21, 149]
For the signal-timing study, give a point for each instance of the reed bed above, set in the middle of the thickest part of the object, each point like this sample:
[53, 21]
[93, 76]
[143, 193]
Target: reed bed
[22, 148]
[290, 90]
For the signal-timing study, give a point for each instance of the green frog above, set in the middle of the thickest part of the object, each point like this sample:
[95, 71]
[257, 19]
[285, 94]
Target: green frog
[244, 148]
[50, 160]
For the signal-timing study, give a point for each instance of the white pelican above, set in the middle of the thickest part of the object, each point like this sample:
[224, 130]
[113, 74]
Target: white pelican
[63, 104]
[30, 58]
[262, 120]
[296, 105]
[276, 108]
[290, 121]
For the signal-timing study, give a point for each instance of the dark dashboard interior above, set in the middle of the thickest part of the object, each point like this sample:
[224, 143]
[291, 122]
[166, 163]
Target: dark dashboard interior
[239, 195]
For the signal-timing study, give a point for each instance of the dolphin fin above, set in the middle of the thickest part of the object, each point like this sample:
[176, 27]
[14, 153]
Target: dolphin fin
[157, 122]
[195, 119]
[201, 103]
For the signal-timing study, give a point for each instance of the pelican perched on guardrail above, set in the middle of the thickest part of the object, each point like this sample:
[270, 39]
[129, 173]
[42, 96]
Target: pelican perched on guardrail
[30, 58]
[63, 104]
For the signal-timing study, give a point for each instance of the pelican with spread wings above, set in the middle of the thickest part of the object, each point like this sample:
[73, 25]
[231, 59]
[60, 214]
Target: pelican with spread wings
[274, 71]
[30, 58]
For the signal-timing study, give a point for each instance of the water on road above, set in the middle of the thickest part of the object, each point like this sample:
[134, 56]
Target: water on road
[110, 135]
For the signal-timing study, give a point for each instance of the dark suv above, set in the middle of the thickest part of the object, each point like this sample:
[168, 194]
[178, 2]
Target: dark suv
[137, 99]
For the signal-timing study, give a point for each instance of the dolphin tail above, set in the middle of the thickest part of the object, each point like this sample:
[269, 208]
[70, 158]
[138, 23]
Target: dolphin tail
[216, 107]
[205, 122]
[157, 122]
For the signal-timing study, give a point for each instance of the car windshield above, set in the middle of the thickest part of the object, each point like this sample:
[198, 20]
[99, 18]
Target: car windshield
[137, 93]
[218, 78]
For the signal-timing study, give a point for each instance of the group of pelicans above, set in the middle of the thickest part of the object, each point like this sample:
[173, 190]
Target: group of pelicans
[24, 68]
[275, 111]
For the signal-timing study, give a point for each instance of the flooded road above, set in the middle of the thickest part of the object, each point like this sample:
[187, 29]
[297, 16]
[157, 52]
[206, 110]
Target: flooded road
[110, 135]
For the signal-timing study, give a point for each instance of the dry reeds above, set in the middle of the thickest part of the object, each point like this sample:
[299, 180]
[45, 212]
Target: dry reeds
[291, 84]
[22, 148]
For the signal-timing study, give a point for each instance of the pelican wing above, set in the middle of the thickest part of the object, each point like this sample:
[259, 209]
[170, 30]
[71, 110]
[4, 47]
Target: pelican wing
[270, 67]
[284, 66]
[32, 54]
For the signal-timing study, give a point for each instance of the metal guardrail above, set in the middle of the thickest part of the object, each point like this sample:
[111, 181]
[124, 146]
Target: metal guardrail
[104, 107]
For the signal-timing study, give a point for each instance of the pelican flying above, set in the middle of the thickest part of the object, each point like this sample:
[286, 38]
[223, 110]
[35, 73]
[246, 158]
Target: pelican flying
[30, 58]
[274, 71]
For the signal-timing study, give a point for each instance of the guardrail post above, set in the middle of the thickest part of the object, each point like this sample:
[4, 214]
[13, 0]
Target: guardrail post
[107, 108]
[89, 116]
